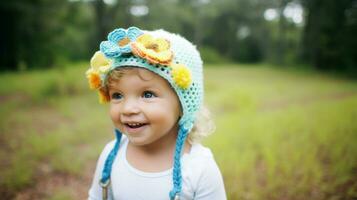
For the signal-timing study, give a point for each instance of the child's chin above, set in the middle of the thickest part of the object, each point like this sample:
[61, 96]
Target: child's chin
[137, 141]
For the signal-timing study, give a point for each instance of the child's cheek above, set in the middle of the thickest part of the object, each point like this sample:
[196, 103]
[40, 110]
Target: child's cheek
[114, 113]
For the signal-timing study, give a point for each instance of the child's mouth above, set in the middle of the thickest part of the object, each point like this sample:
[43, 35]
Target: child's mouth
[134, 127]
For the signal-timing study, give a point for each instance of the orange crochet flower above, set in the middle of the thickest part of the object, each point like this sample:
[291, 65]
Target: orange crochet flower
[93, 79]
[154, 50]
[103, 96]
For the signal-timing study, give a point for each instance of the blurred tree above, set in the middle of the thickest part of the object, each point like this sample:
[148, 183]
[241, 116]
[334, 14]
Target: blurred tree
[330, 34]
[239, 29]
[110, 16]
[31, 28]
[41, 33]
[281, 47]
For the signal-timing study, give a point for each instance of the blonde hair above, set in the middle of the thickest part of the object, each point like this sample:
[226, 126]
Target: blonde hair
[204, 124]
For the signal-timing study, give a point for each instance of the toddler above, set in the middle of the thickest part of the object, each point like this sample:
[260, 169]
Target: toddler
[153, 82]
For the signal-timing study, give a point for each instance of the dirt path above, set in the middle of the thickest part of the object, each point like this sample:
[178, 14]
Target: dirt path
[68, 186]
[46, 182]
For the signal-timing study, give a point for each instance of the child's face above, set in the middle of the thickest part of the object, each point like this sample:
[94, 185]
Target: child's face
[143, 106]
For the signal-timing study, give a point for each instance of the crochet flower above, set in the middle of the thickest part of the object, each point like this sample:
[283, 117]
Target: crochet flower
[99, 65]
[154, 50]
[93, 79]
[181, 75]
[103, 96]
[119, 41]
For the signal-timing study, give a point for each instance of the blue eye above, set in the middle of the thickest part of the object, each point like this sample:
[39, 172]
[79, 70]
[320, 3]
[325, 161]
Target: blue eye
[116, 96]
[148, 94]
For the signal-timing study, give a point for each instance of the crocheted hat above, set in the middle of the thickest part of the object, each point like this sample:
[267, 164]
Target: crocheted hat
[168, 55]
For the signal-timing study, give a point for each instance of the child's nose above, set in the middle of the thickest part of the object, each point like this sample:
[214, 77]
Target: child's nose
[130, 106]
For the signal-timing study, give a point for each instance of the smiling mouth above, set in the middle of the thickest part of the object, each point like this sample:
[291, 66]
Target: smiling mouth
[135, 125]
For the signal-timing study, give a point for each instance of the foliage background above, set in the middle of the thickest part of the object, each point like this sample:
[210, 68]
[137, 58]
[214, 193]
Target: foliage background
[42, 33]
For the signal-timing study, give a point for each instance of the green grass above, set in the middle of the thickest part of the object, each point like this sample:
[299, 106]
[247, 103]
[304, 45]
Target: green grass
[281, 134]
[284, 134]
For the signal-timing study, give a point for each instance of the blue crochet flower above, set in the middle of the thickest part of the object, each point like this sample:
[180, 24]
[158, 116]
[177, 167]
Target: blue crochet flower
[119, 42]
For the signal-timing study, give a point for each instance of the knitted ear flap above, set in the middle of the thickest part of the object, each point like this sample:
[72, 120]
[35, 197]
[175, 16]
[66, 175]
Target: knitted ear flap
[177, 178]
[183, 131]
[107, 169]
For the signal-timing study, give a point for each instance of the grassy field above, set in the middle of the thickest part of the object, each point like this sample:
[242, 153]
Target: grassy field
[281, 134]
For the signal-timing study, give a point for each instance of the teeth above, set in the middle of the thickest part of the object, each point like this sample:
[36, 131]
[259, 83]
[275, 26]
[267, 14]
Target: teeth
[134, 124]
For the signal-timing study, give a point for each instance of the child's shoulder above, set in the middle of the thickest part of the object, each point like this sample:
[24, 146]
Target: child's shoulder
[199, 156]
[198, 150]
[201, 167]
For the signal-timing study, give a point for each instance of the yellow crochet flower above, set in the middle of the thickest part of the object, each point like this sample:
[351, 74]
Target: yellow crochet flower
[181, 75]
[99, 65]
[154, 50]
[104, 69]
[99, 61]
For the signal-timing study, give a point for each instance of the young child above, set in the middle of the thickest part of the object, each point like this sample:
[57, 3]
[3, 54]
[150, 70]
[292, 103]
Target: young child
[153, 82]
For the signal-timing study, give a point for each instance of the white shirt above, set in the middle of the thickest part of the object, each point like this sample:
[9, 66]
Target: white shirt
[201, 178]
